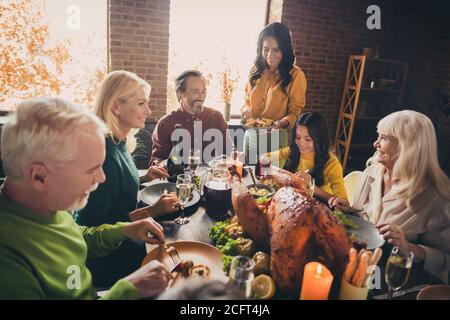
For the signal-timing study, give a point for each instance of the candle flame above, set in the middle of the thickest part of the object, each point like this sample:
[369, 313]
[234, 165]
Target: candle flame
[319, 269]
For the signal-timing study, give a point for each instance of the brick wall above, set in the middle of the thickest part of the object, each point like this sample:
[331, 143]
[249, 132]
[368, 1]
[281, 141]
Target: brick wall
[325, 33]
[139, 42]
[423, 38]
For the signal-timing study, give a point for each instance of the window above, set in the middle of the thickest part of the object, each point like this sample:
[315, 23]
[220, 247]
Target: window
[219, 39]
[52, 47]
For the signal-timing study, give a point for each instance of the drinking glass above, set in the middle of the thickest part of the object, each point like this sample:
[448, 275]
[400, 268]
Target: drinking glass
[310, 183]
[265, 163]
[311, 186]
[193, 160]
[184, 191]
[242, 274]
[239, 161]
[398, 267]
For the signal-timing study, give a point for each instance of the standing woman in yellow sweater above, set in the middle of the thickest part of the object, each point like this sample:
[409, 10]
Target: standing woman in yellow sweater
[310, 150]
[276, 87]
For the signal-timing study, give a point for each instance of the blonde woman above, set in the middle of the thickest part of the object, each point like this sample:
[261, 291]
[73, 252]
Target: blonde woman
[122, 103]
[406, 193]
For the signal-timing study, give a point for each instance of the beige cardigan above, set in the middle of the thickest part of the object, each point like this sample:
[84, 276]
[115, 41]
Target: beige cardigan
[426, 223]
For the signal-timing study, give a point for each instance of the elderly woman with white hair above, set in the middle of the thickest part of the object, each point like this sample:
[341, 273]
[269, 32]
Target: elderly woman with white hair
[405, 193]
[122, 103]
[52, 152]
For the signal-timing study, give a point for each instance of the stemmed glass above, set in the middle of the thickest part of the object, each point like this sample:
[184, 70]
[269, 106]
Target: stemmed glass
[242, 274]
[398, 267]
[184, 191]
[310, 183]
[311, 186]
[193, 160]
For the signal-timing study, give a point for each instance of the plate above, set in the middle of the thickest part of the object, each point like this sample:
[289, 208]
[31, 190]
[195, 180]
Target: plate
[437, 292]
[256, 128]
[198, 252]
[151, 194]
[366, 233]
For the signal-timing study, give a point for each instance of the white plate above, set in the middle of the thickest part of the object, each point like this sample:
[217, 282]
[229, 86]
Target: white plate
[151, 194]
[366, 233]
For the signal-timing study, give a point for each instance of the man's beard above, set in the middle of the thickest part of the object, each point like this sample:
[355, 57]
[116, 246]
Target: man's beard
[197, 107]
[81, 202]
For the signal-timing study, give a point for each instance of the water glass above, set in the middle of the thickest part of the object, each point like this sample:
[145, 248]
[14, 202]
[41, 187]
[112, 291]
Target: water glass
[242, 274]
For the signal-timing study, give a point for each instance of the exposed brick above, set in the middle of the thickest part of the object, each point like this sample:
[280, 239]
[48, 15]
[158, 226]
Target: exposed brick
[325, 33]
[140, 43]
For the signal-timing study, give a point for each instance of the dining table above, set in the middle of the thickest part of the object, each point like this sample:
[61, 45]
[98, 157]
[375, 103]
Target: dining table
[198, 227]
[198, 230]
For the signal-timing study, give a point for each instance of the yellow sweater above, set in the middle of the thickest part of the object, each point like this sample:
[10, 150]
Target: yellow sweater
[332, 172]
[267, 99]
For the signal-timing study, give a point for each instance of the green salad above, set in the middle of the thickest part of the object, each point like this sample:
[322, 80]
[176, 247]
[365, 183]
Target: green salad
[345, 220]
[223, 242]
[228, 238]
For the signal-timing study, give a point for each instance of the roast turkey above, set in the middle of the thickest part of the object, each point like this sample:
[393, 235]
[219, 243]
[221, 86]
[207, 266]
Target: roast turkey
[297, 229]
[301, 230]
[253, 221]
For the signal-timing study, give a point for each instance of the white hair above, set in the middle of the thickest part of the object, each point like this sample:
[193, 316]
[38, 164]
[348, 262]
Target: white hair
[417, 164]
[44, 130]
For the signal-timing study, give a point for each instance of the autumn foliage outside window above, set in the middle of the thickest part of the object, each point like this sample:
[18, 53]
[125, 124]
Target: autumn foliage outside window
[40, 58]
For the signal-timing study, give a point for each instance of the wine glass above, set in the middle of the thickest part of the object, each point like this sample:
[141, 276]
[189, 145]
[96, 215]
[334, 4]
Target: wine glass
[242, 274]
[398, 267]
[193, 159]
[184, 191]
[311, 186]
[310, 183]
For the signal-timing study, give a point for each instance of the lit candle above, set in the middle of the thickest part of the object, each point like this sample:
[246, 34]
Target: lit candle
[317, 280]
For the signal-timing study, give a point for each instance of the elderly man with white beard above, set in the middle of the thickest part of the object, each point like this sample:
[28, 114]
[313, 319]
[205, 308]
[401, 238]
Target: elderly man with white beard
[52, 154]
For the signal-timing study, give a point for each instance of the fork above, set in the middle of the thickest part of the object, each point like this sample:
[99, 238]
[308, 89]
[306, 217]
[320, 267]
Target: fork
[173, 254]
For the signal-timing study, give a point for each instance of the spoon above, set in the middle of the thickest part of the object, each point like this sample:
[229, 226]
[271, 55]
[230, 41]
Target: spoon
[252, 175]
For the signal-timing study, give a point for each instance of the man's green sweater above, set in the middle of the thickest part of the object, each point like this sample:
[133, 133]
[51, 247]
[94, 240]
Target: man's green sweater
[45, 258]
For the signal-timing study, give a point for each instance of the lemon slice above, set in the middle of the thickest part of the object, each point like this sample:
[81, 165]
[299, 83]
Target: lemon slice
[263, 287]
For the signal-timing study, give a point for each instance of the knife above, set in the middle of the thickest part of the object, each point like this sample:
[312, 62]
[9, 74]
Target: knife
[401, 292]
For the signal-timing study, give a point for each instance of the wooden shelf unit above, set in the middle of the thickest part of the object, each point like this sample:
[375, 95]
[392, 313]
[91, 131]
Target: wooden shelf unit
[368, 81]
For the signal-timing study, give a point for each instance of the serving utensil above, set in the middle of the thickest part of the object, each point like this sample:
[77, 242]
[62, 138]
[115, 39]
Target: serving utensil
[252, 175]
